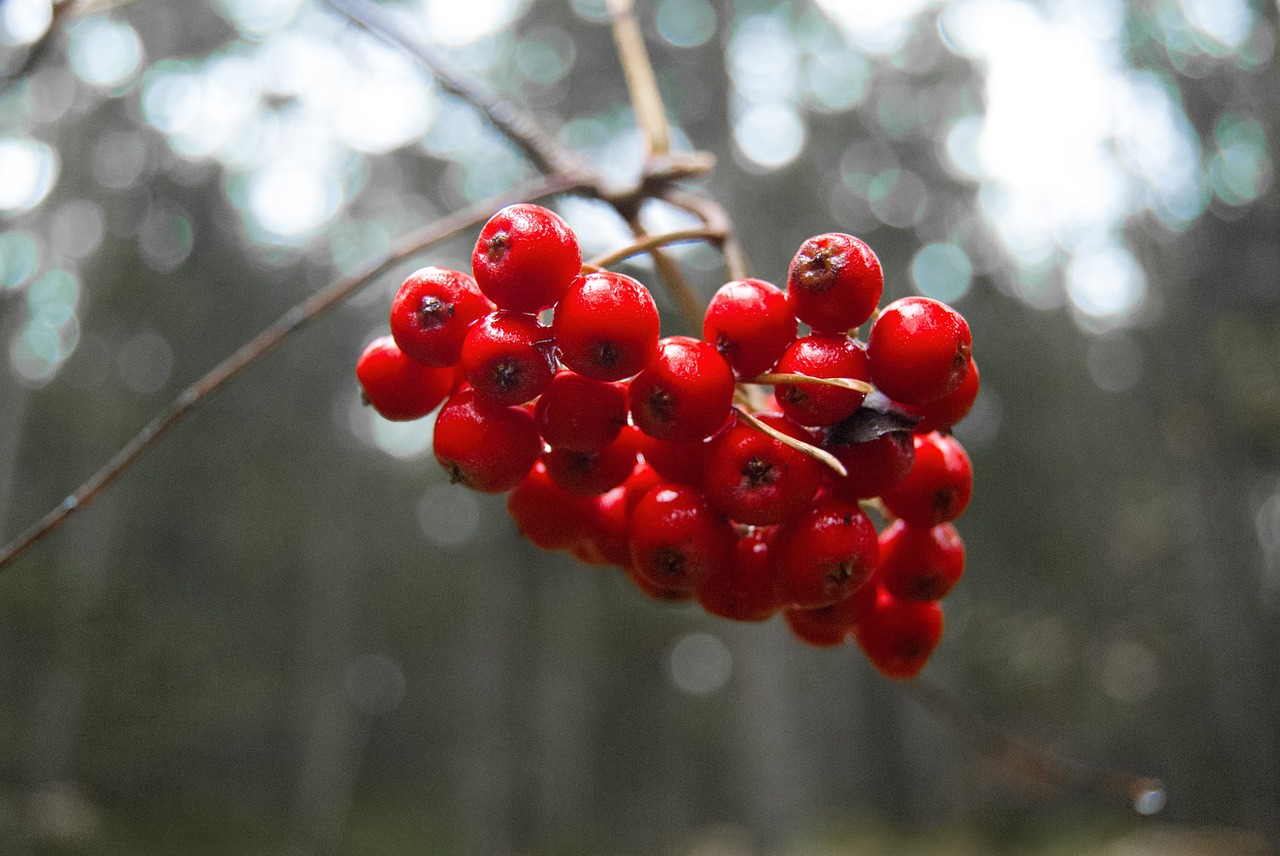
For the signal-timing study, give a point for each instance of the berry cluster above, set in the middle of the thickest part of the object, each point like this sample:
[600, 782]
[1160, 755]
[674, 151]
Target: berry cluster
[668, 457]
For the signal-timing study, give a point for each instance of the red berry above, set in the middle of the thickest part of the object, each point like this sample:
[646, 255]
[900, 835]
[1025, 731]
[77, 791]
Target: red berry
[826, 553]
[431, 312]
[834, 282]
[606, 326]
[743, 589]
[898, 636]
[918, 563]
[677, 539]
[758, 480]
[525, 258]
[486, 447]
[942, 413]
[873, 466]
[919, 350]
[674, 460]
[829, 626]
[608, 539]
[939, 486]
[751, 324]
[655, 591]
[579, 414]
[399, 388]
[686, 393]
[642, 478]
[592, 473]
[506, 357]
[547, 514]
[824, 355]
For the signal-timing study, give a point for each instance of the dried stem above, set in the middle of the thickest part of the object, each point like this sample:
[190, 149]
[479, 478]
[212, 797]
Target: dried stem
[262, 344]
[672, 277]
[646, 100]
[1145, 794]
[774, 378]
[652, 243]
[714, 215]
[787, 440]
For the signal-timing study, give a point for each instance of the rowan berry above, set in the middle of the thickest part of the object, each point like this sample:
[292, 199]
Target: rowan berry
[873, 466]
[824, 554]
[834, 282]
[399, 388]
[750, 324]
[677, 539]
[919, 350]
[431, 312]
[486, 447]
[919, 563]
[608, 539]
[942, 413]
[822, 355]
[757, 479]
[674, 460]
[592, 473]
[686, 393]
[578, 414]
[898, 636]
[606, 326]
[507, 357]
[525, 258]
[546, 514]
[829, 626]
[744, 589]
[939, 486]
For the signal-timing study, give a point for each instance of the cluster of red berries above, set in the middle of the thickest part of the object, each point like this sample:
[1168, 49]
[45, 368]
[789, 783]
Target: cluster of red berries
[667, 456]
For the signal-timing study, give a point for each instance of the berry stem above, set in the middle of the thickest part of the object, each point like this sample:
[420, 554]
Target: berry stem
[799, 445]
[265, 342]
[773, 378]
[652, 242]
[1018, 753]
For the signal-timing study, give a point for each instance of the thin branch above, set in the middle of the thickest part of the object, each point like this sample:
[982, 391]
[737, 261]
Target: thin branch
[653, 242]
[1146, 795]
[540, 147]
[714, 215]
[672, 277]
[262, 344]
[646, 100]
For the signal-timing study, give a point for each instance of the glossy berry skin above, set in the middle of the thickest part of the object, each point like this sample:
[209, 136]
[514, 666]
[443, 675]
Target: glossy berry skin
[743, 589]
[825, 554]
[756, 479]
[940, 414]
[677, 539]
[939, 486]
[829, 626]
[608, 540]
[873, 466]
[525, 258]
[485, 447]
[606, 326]
[918, 563]
[431, 312]
[750, 323]
[593, 473]
[919, 350]
[834, 283]
[824, 355]
[506, 357]
[685, 394]
[546, 514]
[578, 414]
[399, 388]
[682, 462]
[898, 636]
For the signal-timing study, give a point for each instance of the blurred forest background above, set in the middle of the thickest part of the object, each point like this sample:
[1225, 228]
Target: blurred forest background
[283, 631]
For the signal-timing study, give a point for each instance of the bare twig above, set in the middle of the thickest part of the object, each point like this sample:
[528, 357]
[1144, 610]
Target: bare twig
[775, 378]
[1145, 794]
[799, 445]
[262, 344]
[714, 215]
[646, 100]
[653, 242]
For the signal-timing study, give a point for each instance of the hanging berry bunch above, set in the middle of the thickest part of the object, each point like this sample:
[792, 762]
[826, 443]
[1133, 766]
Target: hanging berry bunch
[668, 458]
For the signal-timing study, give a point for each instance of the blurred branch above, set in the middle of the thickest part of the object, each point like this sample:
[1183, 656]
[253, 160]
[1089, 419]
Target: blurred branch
[652, 242]
[265, 342]
[1146, 795]
[646, 100]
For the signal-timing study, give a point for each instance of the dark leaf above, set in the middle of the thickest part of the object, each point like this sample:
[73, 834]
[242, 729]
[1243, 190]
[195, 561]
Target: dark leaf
[877, 416]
